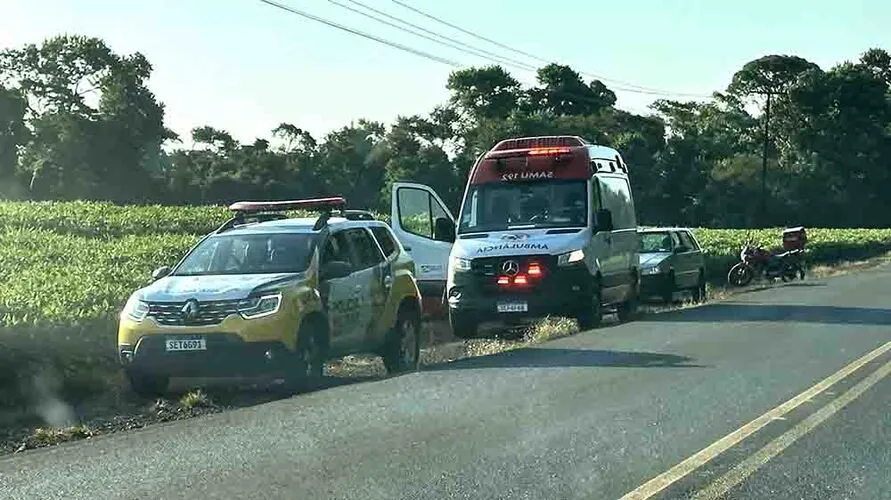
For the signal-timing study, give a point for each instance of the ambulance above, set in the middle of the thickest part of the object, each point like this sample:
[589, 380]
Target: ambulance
[547, 227]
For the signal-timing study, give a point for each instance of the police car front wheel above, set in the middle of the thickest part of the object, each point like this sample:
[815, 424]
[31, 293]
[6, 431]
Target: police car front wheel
[147, 384]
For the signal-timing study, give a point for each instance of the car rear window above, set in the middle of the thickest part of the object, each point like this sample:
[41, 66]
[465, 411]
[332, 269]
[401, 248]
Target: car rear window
[688, 241]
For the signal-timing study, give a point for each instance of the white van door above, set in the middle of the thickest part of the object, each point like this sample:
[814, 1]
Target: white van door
[620, 272]
[426, 228]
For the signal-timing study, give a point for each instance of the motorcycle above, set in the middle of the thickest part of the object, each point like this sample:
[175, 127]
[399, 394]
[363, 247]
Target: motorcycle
[756, 261]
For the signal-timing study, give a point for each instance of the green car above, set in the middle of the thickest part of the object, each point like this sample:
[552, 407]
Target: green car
[671, 261]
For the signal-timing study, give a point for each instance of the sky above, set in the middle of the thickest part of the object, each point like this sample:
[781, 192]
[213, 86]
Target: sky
[245, 66]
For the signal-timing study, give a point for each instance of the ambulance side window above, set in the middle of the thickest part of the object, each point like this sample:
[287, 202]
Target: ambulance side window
[595, 199]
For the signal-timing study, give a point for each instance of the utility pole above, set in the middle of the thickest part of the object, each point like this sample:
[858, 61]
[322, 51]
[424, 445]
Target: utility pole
[764, 161]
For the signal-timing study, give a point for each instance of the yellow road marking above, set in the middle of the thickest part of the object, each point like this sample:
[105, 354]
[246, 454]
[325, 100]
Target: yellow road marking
[745, 468]
[679, 471]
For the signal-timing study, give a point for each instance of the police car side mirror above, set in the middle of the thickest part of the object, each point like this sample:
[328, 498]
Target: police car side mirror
[604, 220]
[335, 269]
[160, 273]
[444, 230]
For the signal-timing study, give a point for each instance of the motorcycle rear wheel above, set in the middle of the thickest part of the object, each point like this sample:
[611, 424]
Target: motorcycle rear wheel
[740, 275]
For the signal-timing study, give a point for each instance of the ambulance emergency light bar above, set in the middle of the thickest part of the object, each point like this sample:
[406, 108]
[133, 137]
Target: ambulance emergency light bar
[550, 141]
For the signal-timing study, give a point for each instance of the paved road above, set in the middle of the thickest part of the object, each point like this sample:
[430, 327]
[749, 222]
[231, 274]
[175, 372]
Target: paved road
[595, 415]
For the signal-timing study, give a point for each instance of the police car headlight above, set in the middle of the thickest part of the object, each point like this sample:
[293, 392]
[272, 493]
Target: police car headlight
[571, 257]
[258, 307]
[135, 309]
[460, 265]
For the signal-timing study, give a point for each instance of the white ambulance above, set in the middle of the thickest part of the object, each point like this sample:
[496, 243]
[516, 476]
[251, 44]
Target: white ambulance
[547, 227]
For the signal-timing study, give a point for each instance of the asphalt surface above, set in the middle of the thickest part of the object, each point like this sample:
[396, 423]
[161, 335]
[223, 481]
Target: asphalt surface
[594, 415]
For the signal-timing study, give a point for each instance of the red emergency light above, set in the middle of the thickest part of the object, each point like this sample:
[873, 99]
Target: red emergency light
[279, 206]
[534, 269]
[549, 151]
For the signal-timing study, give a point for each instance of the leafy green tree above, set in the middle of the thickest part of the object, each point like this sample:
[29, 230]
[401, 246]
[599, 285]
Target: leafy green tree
[489, 92]
[13, 134]
[562, 92]
[94, 122]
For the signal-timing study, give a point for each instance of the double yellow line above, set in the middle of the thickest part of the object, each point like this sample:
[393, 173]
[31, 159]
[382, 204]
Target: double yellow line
[744, 469]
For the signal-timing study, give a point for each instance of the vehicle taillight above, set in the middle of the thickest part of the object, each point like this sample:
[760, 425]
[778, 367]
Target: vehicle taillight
[549, 151]
[534, 269]
[520, 279]
[503, 280]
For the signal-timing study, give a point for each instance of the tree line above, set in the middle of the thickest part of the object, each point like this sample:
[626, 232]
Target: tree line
[77, 121]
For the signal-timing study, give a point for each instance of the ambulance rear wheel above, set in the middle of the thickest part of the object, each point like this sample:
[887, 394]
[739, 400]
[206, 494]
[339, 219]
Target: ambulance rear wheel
[591, 313]
[463, 326]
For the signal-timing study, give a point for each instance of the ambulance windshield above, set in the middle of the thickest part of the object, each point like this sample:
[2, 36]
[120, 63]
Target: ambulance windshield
[502, 206]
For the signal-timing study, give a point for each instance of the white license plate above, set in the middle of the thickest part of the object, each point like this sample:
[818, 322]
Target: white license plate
[512, 307]
[186, 344]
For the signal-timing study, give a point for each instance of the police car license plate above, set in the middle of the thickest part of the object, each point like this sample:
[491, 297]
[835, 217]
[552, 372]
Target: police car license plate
[197, 344]
[512, 307]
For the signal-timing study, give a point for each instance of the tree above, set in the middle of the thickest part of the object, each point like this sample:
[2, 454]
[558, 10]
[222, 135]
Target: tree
[768, 76]
[218, 140]
[58, 75]
[563, 92]
[489, 92]
[94, 122]
[296, 139]
[350, 163]
[878, 61]
[413, 152]
[13, 134]
[837, 124]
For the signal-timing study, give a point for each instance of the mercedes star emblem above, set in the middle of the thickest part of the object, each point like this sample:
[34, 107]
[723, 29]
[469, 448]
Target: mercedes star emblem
[190, 310]
[510, 267]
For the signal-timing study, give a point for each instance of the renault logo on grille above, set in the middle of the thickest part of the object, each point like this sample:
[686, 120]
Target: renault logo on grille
[190, 310]
[510, 267]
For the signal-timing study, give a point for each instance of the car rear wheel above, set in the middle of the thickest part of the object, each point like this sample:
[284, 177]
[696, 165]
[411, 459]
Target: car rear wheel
[668, 292]
[462, 326]
[403, 350]
[591, 314]
[147, 384]
[699, 292]
[628, 309]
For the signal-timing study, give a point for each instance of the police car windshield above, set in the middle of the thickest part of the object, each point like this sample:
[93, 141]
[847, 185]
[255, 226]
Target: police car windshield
[535, 204]
[253, 253]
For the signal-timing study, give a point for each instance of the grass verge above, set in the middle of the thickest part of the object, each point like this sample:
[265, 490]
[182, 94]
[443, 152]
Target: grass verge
[70, 370]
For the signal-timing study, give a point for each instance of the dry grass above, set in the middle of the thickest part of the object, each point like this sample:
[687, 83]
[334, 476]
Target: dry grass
[847, 266]
[194, 399]
[547, 329]
[48, 436]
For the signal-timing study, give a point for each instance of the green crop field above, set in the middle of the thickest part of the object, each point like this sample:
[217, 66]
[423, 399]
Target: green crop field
[66, 270]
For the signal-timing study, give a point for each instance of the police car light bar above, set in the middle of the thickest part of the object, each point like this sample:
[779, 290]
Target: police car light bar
[336, 202]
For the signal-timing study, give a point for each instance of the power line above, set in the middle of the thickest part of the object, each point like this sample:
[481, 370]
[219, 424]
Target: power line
[569, 95]
[470, 50]
[393, 44]
[630, 87]
[493, 42]
[362, 34]
[494, 56]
